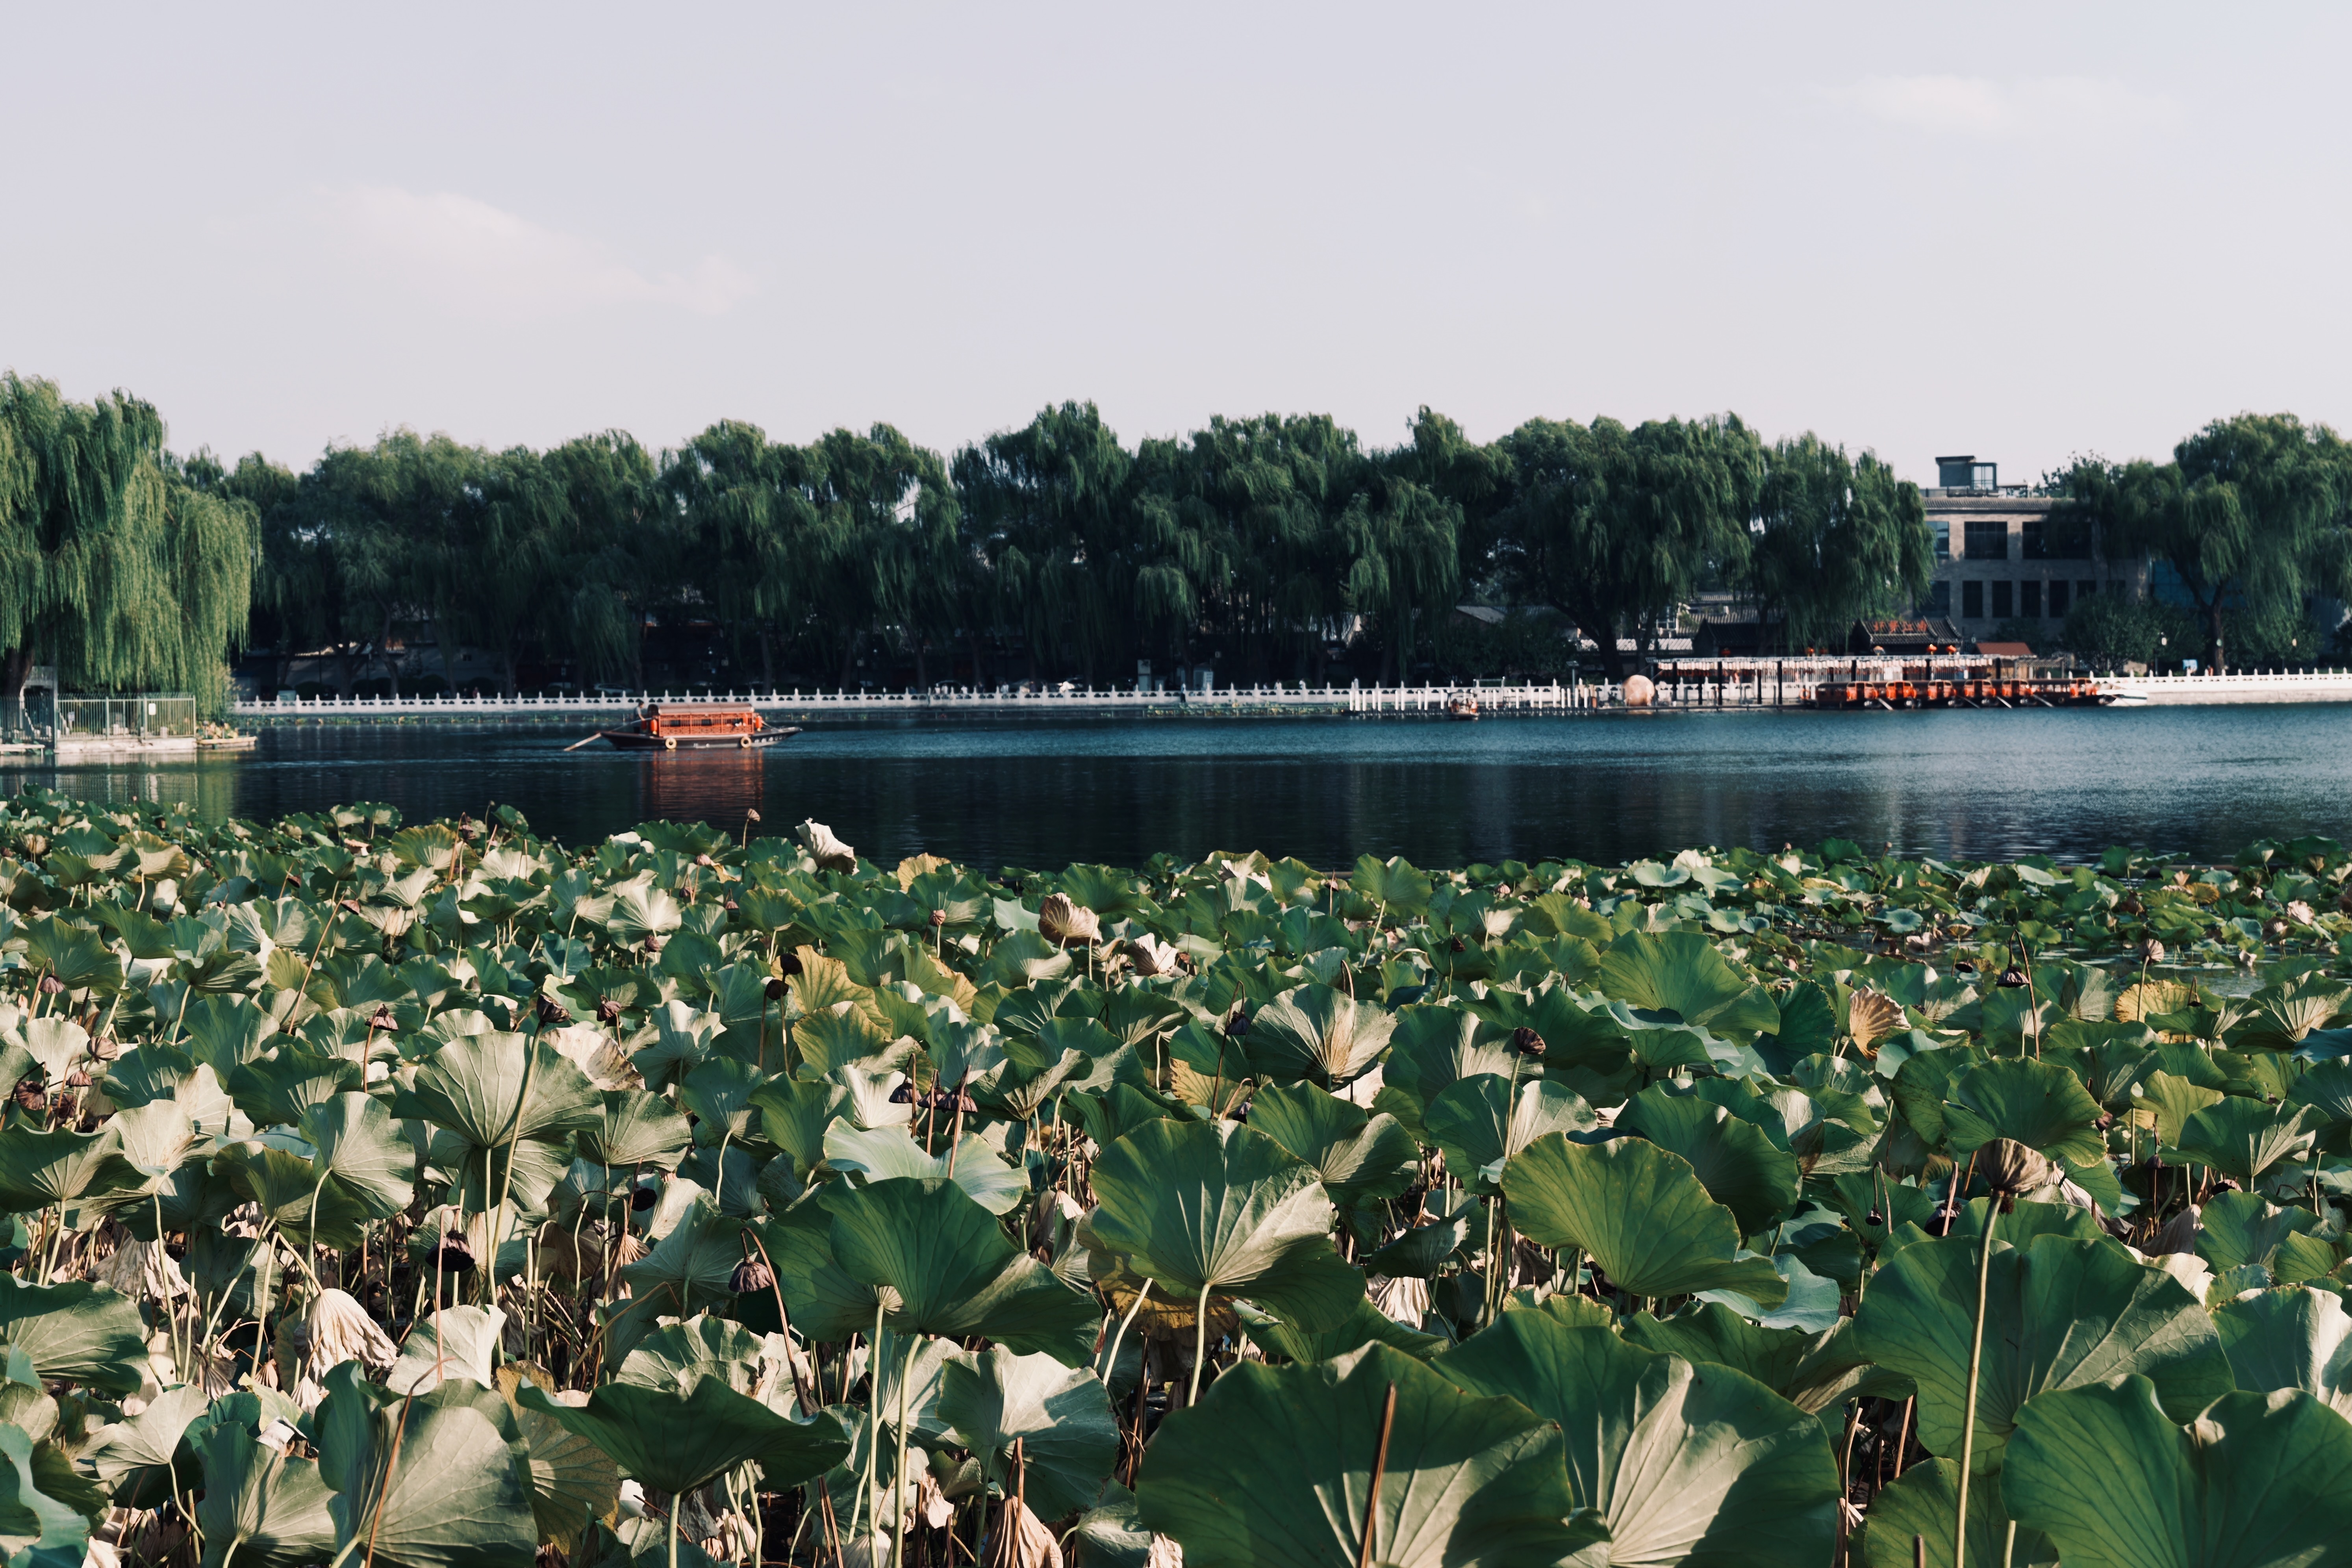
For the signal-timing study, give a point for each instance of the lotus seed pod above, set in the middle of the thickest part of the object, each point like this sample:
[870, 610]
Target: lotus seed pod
[608, 1010]
[1526, 1042]
[751, 1277]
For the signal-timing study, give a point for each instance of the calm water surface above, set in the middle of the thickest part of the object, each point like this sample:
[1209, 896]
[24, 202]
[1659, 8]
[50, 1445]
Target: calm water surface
[1981, 785]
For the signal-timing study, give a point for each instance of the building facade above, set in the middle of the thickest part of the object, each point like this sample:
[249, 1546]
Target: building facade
[1998, 563]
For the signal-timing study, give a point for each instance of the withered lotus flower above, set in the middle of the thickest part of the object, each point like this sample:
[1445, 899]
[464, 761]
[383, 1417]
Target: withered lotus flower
[551, 1014]
[2011, 1169]
[751, 1277]
[1064, 923]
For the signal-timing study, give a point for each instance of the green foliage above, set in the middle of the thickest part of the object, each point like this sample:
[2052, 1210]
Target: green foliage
[1645, 1246]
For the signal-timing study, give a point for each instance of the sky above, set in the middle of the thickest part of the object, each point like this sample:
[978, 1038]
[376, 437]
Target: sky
[2021, 232]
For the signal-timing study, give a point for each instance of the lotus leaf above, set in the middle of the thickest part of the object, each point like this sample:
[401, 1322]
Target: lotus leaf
[1641, 1214]
[1205, 1209]
[1923, 1501]
[2243, 1138]
[1696, 1465]
[2060, 1313]
[260, 1506]
[1060, 1416]
[1275, 1469]
[2257, 1481]
[1741, 1167]
[953, 1269]
[1481, 1122]
[1316, 1033]
[2037, 1103]
[1358, 1154]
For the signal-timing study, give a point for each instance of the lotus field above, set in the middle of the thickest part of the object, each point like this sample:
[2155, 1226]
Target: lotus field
[438, 1195]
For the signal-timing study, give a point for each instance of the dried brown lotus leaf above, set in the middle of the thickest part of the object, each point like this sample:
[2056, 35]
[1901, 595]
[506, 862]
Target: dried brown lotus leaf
[1021, 1540]
[1871, 1017]
[1062, 922]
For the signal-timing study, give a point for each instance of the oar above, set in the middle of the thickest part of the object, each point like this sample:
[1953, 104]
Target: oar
[589, 741]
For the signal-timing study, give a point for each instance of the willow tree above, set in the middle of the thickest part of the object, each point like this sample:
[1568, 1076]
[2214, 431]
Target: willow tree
[883, 548]
[1835, 539]
[2250, 514]
[1046, 509]
[741, 500]
[113, 564]
[1613, 525]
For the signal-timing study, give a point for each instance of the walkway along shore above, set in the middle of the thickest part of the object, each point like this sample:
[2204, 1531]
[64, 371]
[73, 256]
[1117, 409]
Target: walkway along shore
[1759, 686]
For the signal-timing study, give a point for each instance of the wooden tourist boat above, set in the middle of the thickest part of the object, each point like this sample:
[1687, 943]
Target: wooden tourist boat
[695, 727]
[1462, 708]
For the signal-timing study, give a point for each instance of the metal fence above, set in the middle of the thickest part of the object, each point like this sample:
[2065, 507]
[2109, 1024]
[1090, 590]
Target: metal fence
[143, 716]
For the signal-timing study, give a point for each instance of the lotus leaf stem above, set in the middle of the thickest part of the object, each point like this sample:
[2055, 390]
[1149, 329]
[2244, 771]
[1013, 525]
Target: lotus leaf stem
[1110, 1364]
[1200, 1346]
[1968, 1417]
[1372, 1493]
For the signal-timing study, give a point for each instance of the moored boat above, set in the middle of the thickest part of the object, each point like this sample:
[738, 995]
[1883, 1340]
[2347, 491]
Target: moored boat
[697, 727]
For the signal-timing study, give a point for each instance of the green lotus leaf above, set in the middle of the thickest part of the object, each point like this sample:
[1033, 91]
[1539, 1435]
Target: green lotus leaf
[36, 1530]
[2238, 1228]
[1395, 884]
[1317, 1034]
[676, 1356]
[1357, 1153]
[306, 1204]
[60, 1166]
[1421, 1251]
[954, 1270]
[260, 1506]
[1693, 1465]
[1641, 1214]
[275, 1089]
[1434, 1045]
[2243, 1138]
[75, 1332]
[363, 1148]
[1366, 1325]
[1061, 1416]
[718, 1096]
[825, 1302]
[573, 1483]
[475, 1087]
[154, 1140]
[457, 1495]
[2290, 1339]
[2059, 1313]
[1274, 1469]
[2258, 1481]
[1924, 1501]
[2037, 1103]
[637, 1129]
[1681, 973]
[794, 1114]
[138, 1457]
[693, 1266]
[1117, 1111]
[676, 1442]
[454, 1342]
[1739, 1166]
[1207, 1209]
[1481, 1122]
[879, 1154]
[1786, 1361]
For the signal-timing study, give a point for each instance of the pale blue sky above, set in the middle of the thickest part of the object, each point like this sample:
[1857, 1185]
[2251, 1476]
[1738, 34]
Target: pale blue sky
[2019, 231]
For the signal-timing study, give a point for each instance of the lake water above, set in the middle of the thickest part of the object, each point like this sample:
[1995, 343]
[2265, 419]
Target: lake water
[2203, 781]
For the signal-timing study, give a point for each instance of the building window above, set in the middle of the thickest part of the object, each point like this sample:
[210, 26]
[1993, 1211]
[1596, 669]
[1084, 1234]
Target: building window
[1940, 599]
[1972, 601]
[2030, 540]
[2029, 600]
[2058, 600]
[2087, 588]
[1943, 539]
[2001, 609]
[1987, 539]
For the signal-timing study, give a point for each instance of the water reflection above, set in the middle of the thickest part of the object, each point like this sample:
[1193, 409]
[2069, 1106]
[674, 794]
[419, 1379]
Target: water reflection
[2203, 781]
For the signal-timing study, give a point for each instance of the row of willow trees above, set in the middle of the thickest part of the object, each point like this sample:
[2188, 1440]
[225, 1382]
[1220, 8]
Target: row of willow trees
[1267, 546]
